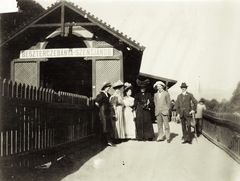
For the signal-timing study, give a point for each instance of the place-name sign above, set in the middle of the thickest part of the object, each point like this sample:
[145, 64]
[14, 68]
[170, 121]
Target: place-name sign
[66, 52]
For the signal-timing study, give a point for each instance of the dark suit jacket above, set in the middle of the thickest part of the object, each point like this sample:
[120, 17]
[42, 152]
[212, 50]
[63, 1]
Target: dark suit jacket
[185, 103]
[104, 104]
[162, 104]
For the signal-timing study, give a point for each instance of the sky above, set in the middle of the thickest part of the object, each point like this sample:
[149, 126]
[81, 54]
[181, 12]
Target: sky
[197, 42]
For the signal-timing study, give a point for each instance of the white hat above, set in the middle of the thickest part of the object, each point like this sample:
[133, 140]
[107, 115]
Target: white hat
[127, 86]
[117, 84]
[158, 83]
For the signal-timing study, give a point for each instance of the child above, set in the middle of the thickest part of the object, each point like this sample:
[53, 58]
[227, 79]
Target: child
[198, 116]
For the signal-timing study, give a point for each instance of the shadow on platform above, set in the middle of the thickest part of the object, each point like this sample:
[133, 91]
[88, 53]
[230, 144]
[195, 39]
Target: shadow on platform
[57, 171]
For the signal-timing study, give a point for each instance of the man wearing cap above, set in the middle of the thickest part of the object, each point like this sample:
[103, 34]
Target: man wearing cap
[162, 103]
[102, 102]
[198, 116]
[185, 108]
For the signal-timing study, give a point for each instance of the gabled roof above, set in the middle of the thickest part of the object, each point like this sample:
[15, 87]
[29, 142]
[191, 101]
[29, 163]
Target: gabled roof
[89, 18]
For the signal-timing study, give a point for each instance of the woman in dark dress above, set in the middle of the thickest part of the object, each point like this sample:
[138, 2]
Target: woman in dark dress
[102, 102]
[143, 104]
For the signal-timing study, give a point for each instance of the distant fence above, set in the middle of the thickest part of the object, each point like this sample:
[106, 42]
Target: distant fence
[223, 129]
[39, 125]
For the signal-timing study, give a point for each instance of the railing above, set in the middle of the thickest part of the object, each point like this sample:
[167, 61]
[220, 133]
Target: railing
[38, 125]
[223, 130]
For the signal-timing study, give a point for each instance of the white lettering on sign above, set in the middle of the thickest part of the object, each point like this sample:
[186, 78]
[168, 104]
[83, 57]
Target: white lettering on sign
[66, 52]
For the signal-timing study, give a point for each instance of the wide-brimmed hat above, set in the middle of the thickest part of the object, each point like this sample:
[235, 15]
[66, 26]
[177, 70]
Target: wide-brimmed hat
[142, 83]
[127, 86]
[202, 100]
[117, 84]
[184, 85]
[106, 84]
[158, 83]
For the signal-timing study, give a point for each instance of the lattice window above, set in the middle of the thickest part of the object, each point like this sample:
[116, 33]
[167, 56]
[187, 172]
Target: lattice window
[107, 70]
[26, 72]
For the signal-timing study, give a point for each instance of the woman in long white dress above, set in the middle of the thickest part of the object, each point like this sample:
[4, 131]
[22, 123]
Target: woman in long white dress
[116, 100]
[129, 116]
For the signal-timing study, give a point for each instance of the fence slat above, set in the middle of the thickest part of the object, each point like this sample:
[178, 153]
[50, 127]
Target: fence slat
[1, 86]
[5, 88]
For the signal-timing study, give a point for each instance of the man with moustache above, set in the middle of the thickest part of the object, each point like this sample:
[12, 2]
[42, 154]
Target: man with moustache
[185, 107]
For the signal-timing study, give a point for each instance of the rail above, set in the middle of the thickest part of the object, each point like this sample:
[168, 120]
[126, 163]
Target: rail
[223, 130]
[39, 125]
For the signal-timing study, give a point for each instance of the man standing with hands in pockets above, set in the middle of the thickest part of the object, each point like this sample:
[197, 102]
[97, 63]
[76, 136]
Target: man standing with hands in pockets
[162, 103]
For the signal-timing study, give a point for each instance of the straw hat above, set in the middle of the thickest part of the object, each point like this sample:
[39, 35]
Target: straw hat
[158, 83]
[117, 84]
[127, 86]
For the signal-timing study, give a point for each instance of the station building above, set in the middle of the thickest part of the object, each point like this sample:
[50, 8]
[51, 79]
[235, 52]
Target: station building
[66, 48]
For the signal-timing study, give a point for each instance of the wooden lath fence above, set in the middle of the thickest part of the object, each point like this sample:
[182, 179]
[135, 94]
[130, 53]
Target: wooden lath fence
[223, 129]
[39, 125]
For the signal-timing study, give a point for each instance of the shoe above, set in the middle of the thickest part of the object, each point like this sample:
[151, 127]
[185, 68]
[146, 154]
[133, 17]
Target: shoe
[168, 141]
[189, 142]
[111, 144]
[158, 140]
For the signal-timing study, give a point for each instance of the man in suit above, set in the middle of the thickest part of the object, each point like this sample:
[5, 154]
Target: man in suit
[162, 105]
[185, 108]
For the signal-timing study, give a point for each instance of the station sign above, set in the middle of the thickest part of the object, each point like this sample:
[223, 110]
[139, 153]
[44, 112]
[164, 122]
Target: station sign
[66, 52]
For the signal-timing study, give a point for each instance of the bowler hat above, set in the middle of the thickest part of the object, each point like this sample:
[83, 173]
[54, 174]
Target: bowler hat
[201, 100]
[117, 84]
[106, 84]
[184, 85]
[158, 83]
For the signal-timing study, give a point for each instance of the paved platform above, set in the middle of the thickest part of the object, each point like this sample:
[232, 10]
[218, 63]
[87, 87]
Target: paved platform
[156, 161]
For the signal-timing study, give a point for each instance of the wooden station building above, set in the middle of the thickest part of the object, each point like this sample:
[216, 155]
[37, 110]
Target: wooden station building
[68, 49]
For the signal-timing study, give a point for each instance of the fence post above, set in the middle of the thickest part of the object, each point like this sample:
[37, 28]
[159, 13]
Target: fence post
[5, 87]
[9, 88]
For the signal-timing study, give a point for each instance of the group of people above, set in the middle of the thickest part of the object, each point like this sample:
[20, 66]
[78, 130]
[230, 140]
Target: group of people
[127, 117]
[124, 116]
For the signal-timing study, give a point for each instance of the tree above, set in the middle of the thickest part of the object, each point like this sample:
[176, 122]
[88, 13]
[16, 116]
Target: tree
[235, 100]
[232, 106]
[29, 7]
[226, 106]
[212, 105]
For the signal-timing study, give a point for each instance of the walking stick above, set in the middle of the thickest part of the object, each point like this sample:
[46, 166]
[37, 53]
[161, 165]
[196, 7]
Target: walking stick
[195, 130]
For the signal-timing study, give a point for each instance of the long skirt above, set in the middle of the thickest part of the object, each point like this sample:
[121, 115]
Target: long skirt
[119, 130]
[144, 125]
[130, 128]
